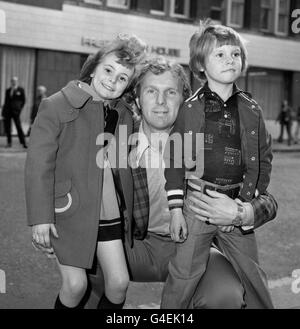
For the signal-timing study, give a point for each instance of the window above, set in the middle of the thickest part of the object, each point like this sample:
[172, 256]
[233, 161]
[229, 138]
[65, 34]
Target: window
[95, 2]
[235, 13]
[275, 16]
[180, 8]
[118, 3]
[158, 7]
[267, 15]
[216, 11]
[282, 17]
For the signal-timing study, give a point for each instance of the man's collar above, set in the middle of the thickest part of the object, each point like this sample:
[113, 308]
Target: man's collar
[143, 144]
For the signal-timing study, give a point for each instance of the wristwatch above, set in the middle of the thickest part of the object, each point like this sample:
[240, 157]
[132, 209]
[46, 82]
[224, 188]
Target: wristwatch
[238, 220]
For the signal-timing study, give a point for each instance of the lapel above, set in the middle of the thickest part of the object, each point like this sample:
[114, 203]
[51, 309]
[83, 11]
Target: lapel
[140, 174]
[141, 201]
[12, 92]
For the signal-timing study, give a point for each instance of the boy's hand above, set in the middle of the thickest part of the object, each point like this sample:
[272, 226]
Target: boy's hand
[178, 227]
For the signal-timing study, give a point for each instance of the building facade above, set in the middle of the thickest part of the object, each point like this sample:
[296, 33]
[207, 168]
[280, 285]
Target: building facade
[46, 41]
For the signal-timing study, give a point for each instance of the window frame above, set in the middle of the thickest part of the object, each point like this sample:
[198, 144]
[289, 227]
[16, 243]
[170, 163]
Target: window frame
[187, 7]
[216, 8]
[158, 12]
[277, 14]
[117, 6]
[94, 2]
[271, 17]
[229, 13]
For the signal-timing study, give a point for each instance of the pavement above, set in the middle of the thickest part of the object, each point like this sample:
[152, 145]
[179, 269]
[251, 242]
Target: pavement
[32, 280]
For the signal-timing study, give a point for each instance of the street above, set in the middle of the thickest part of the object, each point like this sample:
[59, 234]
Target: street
[32, 280]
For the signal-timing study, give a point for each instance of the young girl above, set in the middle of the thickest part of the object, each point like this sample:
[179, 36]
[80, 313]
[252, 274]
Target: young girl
[73, 204]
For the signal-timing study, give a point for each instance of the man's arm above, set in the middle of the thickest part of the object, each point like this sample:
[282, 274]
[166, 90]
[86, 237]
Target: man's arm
[222, 210]
[265, 208]
[23, 98]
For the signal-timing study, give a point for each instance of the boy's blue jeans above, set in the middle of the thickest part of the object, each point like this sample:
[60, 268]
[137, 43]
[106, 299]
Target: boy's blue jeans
[189, 264]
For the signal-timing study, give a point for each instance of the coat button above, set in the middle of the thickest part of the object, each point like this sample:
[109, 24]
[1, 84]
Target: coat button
[250, 184]
[225, 105]
[190, 105]
[248, 193]
[253, 132]
[253, 106]
[252, 158]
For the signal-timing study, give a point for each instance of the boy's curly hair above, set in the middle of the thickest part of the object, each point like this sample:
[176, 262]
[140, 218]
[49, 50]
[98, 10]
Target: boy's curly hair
[130, 51]
[159, 65]
[206, 38]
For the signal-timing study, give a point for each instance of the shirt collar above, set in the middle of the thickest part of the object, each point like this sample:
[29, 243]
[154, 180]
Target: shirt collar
[143, 144]
[206, 90]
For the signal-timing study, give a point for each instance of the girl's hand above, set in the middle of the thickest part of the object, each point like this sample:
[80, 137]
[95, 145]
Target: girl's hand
[178, 227]
[41, 234]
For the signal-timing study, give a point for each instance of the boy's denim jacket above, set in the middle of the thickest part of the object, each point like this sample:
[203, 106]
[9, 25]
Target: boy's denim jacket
[255, 143]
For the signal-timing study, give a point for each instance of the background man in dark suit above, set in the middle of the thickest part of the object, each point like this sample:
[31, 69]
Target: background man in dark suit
[13, 105]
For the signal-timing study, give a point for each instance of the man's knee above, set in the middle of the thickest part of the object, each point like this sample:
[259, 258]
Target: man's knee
[228, 297]
[220, 287]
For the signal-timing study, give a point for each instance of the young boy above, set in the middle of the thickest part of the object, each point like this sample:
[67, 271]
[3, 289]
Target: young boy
[237, 162]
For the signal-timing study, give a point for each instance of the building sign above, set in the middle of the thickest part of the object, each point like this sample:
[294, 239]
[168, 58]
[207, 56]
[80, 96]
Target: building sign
[92, 42]
[172, 52]
[97, 43]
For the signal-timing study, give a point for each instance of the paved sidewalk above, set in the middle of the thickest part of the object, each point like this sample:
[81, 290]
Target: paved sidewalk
[33, 281]
[282, 295]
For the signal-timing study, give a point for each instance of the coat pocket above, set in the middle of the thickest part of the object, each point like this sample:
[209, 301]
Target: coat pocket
[66, 198]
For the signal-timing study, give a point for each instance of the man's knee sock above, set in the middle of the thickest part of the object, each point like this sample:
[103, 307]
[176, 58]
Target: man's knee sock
[106, 304]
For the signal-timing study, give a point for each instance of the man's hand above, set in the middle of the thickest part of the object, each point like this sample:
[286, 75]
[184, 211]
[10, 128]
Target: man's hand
[41, 234]
[178, 227]
[218, 208]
